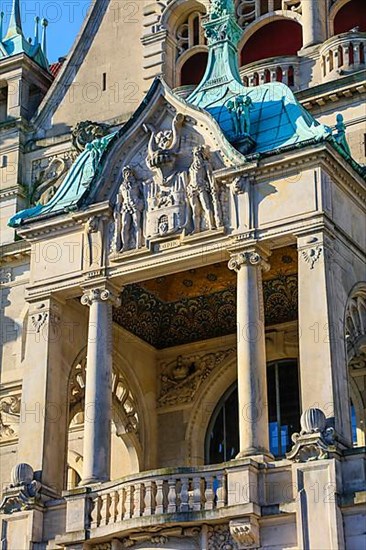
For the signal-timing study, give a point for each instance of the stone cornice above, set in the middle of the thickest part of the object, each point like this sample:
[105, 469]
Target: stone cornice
[281, 164]
[14, 251]
[333, 91]
[9, 192]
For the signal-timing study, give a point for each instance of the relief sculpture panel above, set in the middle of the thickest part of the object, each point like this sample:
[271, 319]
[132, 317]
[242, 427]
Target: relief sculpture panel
[168, 189]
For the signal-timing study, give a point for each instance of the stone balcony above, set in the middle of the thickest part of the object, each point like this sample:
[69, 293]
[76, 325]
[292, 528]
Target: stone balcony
[343, 54]
[176, 501]
[283, 69]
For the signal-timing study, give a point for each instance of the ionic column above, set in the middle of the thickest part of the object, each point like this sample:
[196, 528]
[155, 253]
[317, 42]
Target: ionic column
[314, 22]
[252, 383]
[98, 388]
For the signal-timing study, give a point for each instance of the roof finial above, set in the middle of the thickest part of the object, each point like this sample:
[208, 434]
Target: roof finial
[44, 37]
[36, 30]
[15, 25]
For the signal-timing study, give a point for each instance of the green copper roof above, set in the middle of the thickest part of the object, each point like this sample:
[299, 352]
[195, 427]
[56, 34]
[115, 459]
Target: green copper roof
[14, 42]
[271, 116]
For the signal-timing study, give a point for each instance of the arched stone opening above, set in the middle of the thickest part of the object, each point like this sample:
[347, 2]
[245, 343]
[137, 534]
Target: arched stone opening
[349, 15]
[126, 448]
[193, 69]
[282, 37]
[355, 335]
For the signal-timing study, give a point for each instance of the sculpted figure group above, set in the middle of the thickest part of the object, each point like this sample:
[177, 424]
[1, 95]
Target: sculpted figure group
[172, 200]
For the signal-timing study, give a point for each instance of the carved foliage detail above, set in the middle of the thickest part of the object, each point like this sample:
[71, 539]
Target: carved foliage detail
[219, 538]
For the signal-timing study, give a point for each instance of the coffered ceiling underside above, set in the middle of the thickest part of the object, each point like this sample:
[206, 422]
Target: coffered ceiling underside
[200, 304]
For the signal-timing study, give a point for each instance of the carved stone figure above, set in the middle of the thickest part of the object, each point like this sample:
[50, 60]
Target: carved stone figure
[128, 212]
[341, 134]
[202, 192]
[85, 132]
[166, 201]
[240, 108]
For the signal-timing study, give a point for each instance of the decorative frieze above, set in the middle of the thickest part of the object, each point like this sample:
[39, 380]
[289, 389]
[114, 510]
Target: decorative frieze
[219, 538]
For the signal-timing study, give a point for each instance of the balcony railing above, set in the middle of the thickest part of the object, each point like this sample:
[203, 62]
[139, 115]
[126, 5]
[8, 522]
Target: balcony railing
[161, 494]
[343, 54]
[283, 69]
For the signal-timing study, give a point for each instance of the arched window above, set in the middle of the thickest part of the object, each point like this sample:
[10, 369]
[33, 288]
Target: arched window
[267, 76]
[193, 69]
[222, 438]
[190, 33]
[282, 37]
[340, 57]
[351, 15]
[279, 74]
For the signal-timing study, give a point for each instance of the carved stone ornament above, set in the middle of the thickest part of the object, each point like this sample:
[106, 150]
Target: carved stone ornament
[85, 132]
[315, 441]
[39, 318]
[159, 538]
[237, 261]
[245, 532]
[181, 379]
[9, 417]
[5, 275]
[312, 255]
[47, 176]
[219, 538]
[24, 491]
[99, 295]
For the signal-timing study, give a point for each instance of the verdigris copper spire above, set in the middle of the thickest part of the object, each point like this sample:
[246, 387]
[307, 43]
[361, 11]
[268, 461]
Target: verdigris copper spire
[253, 119]
[15, 24]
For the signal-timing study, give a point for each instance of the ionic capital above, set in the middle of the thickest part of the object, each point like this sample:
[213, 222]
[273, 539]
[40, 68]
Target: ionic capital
[248, 258]
[93, 295]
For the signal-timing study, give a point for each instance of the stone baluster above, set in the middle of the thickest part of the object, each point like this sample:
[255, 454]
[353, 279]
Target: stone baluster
[184, 495]
[209, 493]
[98, 390]
[95, 513]
[252, 370]
[137, 500]
[197, 498]
[113, 515]
[159, 497]
[104, 509]
[356, 53]
[221, 491]
[149, 499]
[172, 496]
[128, 502]
[120, 510]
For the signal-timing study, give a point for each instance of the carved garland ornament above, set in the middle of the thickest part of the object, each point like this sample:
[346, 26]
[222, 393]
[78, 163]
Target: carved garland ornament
[181, 379]
[9, 417]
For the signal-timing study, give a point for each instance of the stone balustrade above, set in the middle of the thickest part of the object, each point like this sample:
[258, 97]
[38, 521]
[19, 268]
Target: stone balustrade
[159, 494]
[343, 54]
[283, 69]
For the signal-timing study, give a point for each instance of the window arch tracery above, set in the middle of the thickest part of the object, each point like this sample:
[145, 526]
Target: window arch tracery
[190, 32]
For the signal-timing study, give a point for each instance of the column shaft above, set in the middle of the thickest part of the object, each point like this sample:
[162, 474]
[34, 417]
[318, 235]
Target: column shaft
[252, 384]
[314, 22]
[98, 389]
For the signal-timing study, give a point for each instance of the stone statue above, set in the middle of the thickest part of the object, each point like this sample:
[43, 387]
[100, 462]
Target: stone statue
[239, 108]
[202, 191]
[128, 212]
[86, 131]
[49, 181]
[341, 134]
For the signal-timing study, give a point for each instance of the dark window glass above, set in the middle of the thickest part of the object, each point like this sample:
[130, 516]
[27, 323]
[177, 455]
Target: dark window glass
[222, 440]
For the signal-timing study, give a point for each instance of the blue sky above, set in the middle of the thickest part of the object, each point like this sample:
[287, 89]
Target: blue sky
[65, 19]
